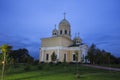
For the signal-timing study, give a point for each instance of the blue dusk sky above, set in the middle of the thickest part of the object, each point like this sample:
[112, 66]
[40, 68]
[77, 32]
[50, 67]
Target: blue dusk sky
[24, 22]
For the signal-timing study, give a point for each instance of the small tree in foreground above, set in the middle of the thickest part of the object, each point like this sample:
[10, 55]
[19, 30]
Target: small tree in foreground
[53, 57]
[4, 49]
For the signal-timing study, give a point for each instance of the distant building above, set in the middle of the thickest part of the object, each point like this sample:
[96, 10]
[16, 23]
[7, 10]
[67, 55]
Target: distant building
[61, 44]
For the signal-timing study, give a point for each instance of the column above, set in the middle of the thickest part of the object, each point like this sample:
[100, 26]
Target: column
[43, 55]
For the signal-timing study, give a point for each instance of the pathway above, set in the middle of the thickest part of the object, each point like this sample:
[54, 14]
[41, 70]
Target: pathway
[101, 67]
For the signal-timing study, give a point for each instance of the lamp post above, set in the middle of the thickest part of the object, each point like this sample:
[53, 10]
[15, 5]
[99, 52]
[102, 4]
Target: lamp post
[3, 67]
[4, 49]
[3, 62]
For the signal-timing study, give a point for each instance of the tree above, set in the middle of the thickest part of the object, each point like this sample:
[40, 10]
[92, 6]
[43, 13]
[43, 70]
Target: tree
[97, 56]
[21, 56]
[91, 53]
[4, 49]
[53, 57]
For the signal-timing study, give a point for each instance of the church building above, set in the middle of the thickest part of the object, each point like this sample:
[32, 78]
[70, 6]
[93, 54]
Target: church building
[61, 48]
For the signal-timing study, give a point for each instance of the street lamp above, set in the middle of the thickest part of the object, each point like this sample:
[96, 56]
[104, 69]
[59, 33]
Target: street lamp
[3, 62]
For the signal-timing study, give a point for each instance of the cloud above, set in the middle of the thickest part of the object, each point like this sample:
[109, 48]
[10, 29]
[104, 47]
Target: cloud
[21, 42]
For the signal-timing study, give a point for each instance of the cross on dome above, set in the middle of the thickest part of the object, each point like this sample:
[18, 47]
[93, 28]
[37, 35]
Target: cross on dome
[64, 15]
[55, 26]
[78, 34]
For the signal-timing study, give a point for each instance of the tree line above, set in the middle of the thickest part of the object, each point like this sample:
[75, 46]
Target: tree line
[15, 56]
[97, 56]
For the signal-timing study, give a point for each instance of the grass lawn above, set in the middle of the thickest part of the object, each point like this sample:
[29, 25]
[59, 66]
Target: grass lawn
[58, 72]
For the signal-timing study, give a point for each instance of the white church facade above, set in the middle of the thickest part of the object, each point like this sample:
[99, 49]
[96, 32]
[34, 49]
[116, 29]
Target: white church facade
[61, 44]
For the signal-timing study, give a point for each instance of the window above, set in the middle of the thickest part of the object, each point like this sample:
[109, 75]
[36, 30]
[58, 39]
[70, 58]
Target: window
[54, 33]
[73, 57]
[47, 56]
[60, 31]
[65, 31]
[64, 57]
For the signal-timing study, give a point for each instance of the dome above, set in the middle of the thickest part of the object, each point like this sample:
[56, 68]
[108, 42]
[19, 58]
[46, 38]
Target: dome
[77, 40]
[64, 23]
[54, 32]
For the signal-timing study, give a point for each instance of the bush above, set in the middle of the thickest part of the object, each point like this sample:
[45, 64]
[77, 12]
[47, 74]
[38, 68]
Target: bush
[39, 67]
[27, 68]
[16, 66]
[58, 63]
[42, 62]
[71, 62]
[47, 67]
[51, 63]
[36, 62]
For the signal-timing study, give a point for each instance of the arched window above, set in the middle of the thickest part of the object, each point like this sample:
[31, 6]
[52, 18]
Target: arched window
[65, 31]
[64, 57]
[60, 31]
[73, 57]
[77, 42]
[47, 56]
[54, 33]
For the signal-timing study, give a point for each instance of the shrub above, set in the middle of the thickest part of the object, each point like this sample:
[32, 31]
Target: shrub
[58, 63]
[27, 68]
[36, 62]
[39, 67]
[47, 67]
[16, 66]
[50, 63]
[71, 62]
[42, 62]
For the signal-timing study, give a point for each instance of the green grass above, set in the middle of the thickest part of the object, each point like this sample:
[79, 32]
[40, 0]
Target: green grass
[58, 72]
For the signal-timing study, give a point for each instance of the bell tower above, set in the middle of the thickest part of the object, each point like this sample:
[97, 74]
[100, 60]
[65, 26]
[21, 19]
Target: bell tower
[64, 28]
